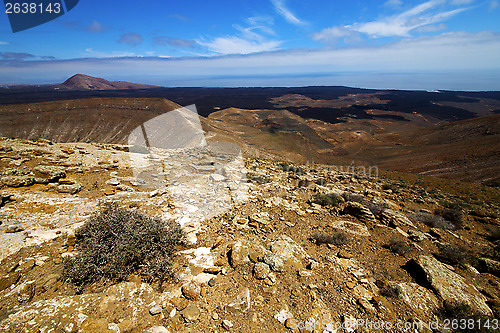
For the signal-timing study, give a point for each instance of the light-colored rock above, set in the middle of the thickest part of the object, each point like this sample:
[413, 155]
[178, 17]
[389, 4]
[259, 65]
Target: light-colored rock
[191, 290]
[191, 312]
[239, 253]
[155, 310]
[274, 262]
[394, 219]
[451, 286]
[261, 270]
[241, 303]
[283, 315]
[227, 324]
[360, 211]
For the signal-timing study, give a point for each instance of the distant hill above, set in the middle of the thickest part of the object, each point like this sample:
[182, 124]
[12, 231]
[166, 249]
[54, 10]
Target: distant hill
[86, 82]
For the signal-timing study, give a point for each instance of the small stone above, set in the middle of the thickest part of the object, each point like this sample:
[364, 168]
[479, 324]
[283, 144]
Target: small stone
[155, 310]
[304, 273]
[416, 235]
[191, 312]
[71, 189]
[261, 270]
[71, 240]
[350, 284]
[283, 315]
[217, 242]
[13, 229]
[191, 290]
[253, 255]
[212, 282]
[109, 192]
[241, 303]
[9, 279]
[239, 254]
[26, 266]
[274, 262]
[215, 316]
[344, 254]
[26, 293]
[179, 303]
[227, 324]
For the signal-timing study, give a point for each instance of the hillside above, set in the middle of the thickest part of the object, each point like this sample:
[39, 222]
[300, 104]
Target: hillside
[105, 120]
[86, 82]
[306, 245]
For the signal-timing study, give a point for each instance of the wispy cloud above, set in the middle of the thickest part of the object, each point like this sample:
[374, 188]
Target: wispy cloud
[131, 38]
[238, 45]
[179, 17]
[494, 5]
[281, 8]
[4, 43]
[401, 25]
[425, 17]
[256, 36]
[89, 52]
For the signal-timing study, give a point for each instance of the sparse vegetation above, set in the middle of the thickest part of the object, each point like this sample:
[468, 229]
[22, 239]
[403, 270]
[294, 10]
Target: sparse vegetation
[433, 221]
[258, 179]
[391, 291]
[451, 214]
[454, 255]
[287, 167]
[116, 242]
[338, 238]
[329, 199]
[348, 196]
[399, 247]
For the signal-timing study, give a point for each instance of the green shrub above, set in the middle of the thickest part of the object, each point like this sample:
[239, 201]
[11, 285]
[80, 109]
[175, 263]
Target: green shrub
[329, 199]
[399, 247]
[338, 238]
[116, 242]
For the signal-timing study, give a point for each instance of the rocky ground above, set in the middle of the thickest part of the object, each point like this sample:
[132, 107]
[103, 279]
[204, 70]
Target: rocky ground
[309, 249]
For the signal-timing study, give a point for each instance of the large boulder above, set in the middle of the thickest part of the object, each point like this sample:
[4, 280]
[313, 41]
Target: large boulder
[50, 172]
[394, 219]
[449, 285]
[360, 211]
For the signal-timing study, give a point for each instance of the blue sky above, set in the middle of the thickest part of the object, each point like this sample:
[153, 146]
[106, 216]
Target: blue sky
[436, 44]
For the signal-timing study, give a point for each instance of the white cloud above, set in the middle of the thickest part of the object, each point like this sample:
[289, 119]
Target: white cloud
[445, 53]
[422, 18]
[401, 25]
[494, 4]
[334, 34]
[281, 8]
[432, 28]
[238, 45]
[250, 39]
[4, 43]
